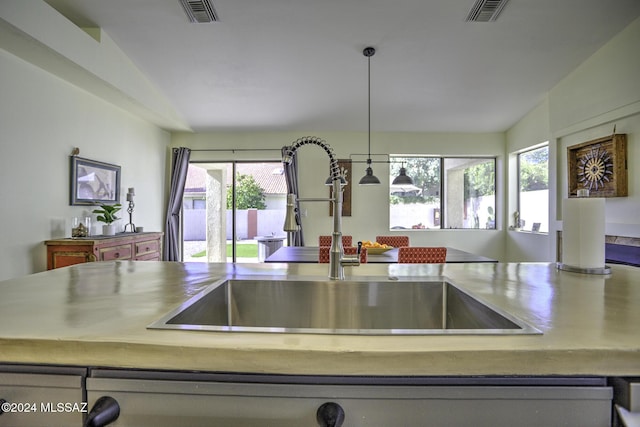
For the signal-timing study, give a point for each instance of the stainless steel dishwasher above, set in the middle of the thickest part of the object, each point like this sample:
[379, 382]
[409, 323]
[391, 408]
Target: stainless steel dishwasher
[201, 399]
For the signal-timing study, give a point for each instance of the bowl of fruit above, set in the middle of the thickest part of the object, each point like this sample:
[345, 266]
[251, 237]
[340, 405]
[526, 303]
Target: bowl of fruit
[375, 248]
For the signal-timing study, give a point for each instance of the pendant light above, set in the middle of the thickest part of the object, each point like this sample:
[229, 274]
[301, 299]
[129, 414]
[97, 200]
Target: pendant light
[403, 178]
[369, 178]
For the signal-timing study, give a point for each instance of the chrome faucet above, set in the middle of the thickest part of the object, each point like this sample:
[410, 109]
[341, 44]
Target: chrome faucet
[337, 259]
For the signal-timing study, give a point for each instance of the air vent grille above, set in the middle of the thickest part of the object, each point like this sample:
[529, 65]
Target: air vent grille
[199, 11]
[486, 10]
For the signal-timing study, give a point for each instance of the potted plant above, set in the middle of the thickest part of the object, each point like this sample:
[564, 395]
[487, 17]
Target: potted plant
[107, 214]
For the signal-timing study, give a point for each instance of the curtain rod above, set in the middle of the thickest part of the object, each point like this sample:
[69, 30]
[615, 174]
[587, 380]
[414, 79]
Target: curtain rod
[233, 150]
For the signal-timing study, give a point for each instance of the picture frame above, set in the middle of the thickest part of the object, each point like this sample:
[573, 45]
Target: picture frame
[93, 182]
[600, 166]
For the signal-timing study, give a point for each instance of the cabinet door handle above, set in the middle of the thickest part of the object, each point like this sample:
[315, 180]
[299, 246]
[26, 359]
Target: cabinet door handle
[330, 414]
[105, 411]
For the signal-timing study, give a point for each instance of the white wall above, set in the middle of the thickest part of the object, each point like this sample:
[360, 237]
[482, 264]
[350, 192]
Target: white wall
[41, 119]
[602, 92]
[37, 33]
[63, 88]
[370, 204]
[531, 130]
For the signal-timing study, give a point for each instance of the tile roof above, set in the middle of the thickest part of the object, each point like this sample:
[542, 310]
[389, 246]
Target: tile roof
[269, 176]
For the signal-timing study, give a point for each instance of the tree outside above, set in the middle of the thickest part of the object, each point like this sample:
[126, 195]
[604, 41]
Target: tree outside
[425, 172]
[534, 170]
[249, 195]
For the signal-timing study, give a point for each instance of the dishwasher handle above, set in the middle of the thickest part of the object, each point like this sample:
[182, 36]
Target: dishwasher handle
[330, 414]
[105, 411]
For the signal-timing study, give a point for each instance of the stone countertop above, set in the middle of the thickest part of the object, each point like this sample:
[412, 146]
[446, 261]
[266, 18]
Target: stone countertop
[96, 314]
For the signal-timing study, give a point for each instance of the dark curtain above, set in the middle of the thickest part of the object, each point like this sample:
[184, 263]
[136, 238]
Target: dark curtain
[179, 167]
[296, 238]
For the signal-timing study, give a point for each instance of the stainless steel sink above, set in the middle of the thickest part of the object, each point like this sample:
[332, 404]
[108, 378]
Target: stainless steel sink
[340, 307]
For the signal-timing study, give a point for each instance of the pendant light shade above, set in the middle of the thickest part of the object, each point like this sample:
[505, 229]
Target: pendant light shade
[402, 179]
[369, 178]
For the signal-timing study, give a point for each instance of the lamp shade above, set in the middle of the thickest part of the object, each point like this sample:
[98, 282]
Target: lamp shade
[402, 179]
[369, 178]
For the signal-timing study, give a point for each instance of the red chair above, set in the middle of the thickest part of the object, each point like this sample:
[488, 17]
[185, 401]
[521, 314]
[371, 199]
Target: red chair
[422, 255]
[326, 241]
[323, 254]
[395, 241]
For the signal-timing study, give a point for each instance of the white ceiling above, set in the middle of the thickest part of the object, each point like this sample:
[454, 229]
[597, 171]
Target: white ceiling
[298, 64]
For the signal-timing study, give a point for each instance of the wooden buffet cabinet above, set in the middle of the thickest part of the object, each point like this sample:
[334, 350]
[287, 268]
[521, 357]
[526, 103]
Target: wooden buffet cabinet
[122, 246]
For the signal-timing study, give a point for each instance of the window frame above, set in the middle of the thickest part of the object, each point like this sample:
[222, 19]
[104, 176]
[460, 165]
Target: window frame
[399, 158]
[518, 184]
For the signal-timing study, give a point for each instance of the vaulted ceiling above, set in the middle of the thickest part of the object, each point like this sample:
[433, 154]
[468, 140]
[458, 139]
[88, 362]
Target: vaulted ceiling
[298, 64]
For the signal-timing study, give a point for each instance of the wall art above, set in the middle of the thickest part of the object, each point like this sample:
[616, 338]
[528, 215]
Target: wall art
[599, 166]
[93, 182]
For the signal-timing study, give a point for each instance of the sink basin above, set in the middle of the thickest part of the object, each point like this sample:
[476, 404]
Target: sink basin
[340, 307]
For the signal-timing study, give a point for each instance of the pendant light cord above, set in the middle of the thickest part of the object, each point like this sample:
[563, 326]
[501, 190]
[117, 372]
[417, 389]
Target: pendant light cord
[369, 178]
[369, 52]
[369, 105]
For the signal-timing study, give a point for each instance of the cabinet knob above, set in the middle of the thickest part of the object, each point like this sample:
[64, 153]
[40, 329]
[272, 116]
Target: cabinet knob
[117, 255]
[330, 414]
[105, 411]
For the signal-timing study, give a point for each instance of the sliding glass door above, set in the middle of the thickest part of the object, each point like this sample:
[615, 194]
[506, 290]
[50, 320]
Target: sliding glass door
[233, 211]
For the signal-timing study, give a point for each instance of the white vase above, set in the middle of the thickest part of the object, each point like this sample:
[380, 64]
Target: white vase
[109, 229]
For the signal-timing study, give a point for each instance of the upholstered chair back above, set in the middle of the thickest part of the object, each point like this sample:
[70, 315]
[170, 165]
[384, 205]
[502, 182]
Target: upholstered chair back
[421, 255]
[395, 241]
[326, 241]
[323, 254]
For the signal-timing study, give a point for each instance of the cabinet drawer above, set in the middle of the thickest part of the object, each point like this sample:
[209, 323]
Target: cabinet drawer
[154, 256]
[66, 258]
[205, 403]
[147, 247]
[42, 400]
[115, 253]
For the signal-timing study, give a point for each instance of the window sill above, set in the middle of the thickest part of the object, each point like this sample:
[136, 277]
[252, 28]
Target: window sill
[542, 233]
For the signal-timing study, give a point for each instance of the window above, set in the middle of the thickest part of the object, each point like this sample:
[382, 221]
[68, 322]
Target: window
[447, 192]
[533, 190]
[219, 227]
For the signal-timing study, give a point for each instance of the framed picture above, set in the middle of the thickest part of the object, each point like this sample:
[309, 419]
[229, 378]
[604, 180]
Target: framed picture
[93, 182]
[599, 166]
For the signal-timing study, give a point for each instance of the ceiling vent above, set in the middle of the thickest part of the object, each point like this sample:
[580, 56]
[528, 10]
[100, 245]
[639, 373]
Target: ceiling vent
[199, 11]
[486, 10]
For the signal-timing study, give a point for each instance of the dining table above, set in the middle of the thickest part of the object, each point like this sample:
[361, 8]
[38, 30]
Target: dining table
[309, 254]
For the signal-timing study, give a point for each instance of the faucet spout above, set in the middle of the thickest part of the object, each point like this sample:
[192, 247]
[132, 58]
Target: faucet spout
[337, 259]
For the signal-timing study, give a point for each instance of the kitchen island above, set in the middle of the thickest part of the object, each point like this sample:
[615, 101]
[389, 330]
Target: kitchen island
[88, 313]
[96, 315]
